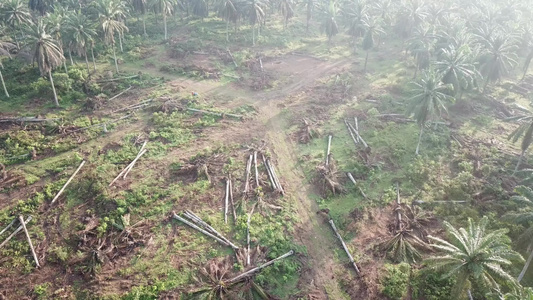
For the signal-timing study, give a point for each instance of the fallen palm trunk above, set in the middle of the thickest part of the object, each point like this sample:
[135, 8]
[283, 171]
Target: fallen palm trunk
[270, 176]
[117, 79]
[175, 216]
[21, 219]
[100, 125]
[8, 226]
[256, 172]
[67, 183]
[128, 168]
[194, 218]
[359, 138]
[133, 163]
[231, 200]
[232, 58]
[398, 209]
[351, 133]
[120, 94]
[356, 185]
[248, 235]
[26, 120]
[222, 115]
[329, 149]
[248, 171]
[226, 202]
[15, 232]
[257, 269]
[270, 166]
[134, 106]
[344, 246]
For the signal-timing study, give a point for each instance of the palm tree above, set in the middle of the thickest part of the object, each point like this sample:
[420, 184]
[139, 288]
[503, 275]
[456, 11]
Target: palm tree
[55, 23]
[5, 48]
[410, 17]
[355, 17]
[330, 24]
[165, 8]
[199, 8]
[457, 68]
[15, 15]
[421, 46]
[256, 14]
[474, 255]
[310, 6]
[41, 6]
[429, 102]
[47, 52]
[81, 34]
[109, 11]
[497, 58]
[524, 216]
[524, 131]
[141, 6]
[286, 10]
[228, 10]
[372, 30]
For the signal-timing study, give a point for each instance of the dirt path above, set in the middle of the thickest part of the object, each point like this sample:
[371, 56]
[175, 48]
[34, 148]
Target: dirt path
[312, 231]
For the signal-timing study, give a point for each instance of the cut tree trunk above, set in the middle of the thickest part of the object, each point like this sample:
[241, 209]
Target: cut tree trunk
[419, 139]
[194, 218]
[256, 172]
[350, 176]
[359, 138]
[222, 115]
[53, 87]
[68, 182]
[15, 232]
[175, 216]
[8, 226]
[257, 269]
[4, 84]
[398, 209]
[133, 163]
[526, 266]
[328, 150]
[226, 202]
[351, 133]
[345, 247]
[248, 235]
[231, 200]
[29, 241]
[115, 58]
[120, 94]
[248, 172]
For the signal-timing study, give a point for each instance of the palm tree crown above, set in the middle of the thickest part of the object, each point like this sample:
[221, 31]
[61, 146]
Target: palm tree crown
[474, 254]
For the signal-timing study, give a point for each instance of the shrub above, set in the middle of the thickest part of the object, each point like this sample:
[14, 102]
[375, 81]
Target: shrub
[396, 280]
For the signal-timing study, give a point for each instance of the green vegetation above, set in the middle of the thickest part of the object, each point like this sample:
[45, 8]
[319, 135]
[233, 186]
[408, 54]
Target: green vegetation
[446, 80]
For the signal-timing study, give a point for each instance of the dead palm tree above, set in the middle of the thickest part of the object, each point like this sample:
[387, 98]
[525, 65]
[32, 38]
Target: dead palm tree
[47, 52]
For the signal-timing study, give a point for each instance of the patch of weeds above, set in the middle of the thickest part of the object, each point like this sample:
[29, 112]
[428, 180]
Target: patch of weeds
[395, 281]
[41, 291]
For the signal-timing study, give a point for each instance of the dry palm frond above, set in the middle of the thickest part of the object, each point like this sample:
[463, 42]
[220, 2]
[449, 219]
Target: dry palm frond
[329, 175]
[419, 220]
[403, 246]
[257, 254]
[212, 279]
[307, 132]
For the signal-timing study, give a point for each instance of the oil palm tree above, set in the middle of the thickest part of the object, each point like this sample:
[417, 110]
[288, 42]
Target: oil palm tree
[287, 11]
[227, 9]
[421, 45]
[524, 216]
[81, 34]
[524, 131]
[497, 58]
[200, 8]
[411, 15]
[141, 6]
[429, 102]
[310, 6]
[457, 68]
[255, 11]
[47, 52]
[165, 8]
[474, 255]
[6, 47]
[329, 23]
[15, 14]
[41, 6]
[109, 12]
[355, 16]
[372, 30]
